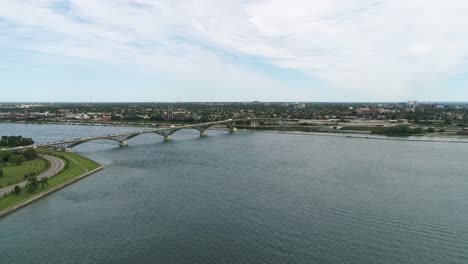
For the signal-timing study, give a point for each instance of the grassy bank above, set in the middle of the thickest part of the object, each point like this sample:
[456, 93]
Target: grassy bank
[361, 128]
[13, 174]
[76, 165]
[398, 131]
[285, 128]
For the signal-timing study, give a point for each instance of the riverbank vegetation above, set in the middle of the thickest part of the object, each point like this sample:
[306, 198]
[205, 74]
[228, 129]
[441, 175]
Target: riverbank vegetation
[15, 141]
[13, 174]
[19, 166]
[401, 130]
[75, 165]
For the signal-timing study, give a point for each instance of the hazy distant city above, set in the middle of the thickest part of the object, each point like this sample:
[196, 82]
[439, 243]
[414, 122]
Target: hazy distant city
[450, 118]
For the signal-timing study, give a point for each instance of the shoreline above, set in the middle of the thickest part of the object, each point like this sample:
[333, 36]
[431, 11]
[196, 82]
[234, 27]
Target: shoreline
[47, 192]
[365, 136]
[346, 133]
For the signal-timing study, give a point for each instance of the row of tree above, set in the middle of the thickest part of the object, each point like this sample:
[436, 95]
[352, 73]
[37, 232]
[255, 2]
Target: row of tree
[404, 130]
[18, 157]
[32, 186]
[15, 141]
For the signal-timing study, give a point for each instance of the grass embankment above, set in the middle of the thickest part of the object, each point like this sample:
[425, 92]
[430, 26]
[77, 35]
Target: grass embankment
[362, 128]
[13, 174]
[75, 166]
[398, 131]
[291, 128]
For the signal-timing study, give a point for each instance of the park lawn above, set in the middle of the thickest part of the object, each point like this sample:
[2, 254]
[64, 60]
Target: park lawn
[74, 169]
[360, 128]
[13, 174]
[85, 162]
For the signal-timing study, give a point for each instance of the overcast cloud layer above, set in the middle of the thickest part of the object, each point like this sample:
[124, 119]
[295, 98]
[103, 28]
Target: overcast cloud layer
[361, 49]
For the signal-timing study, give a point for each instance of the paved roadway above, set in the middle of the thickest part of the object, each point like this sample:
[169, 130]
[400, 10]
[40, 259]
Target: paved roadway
[56, 165]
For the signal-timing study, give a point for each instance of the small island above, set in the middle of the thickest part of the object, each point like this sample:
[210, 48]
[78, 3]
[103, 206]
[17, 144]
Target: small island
[28, 175]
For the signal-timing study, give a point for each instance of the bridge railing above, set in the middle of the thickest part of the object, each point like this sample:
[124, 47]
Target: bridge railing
[126, 135]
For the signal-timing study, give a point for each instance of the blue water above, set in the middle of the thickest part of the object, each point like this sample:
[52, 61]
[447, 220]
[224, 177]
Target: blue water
[247, 197]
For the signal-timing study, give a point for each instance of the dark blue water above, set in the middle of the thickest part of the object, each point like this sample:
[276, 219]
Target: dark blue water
[248, 197]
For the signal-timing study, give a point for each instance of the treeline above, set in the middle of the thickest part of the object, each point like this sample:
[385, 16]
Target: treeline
[18, 157]
[402, 130]
[15, 141]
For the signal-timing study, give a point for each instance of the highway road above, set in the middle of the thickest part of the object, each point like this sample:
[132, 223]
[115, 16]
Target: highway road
[56, 165]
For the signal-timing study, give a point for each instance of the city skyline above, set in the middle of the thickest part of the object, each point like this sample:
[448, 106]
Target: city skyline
[200, 51]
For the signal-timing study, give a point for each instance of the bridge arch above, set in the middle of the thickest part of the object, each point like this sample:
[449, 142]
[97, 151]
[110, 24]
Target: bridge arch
[74, 144]
[166, 132]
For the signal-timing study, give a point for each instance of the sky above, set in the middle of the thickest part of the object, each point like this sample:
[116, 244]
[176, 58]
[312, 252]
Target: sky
[233, 50]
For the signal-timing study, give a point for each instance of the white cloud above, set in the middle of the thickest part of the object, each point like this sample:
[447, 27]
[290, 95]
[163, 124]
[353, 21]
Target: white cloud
[383, 50]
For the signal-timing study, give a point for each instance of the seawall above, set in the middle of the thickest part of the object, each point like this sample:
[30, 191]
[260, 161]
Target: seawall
[40, 195]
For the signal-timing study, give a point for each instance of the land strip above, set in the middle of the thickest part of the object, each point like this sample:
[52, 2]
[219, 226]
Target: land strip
[76, 168]
[56, 165]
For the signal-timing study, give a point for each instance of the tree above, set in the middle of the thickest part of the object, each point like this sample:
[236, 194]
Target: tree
[430, 130]
[29, 154]
[417, 130]
[17, 189]
[5, 156]
[43, 182]
[32, 184]
[15, 141]
[17, 159]
[1, 172]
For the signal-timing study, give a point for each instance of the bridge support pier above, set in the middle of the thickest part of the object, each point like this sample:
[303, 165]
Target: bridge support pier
[232, 129]
[123, 143]
[254, 123]
[167, 138]
[67, 150]
[203, 133]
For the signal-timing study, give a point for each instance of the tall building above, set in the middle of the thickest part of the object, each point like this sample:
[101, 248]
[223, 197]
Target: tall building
[170, 111]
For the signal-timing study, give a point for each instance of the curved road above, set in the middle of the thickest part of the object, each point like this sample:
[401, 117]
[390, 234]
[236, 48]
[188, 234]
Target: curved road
[56, 165]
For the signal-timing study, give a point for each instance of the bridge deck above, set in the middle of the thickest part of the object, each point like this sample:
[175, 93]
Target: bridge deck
[164, 131]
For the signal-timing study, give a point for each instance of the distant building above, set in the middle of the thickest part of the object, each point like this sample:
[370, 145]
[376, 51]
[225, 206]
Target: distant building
[367, 111]
[455, 116]
[300, 106]
[426, 106]
[81, 116]
[170, 110]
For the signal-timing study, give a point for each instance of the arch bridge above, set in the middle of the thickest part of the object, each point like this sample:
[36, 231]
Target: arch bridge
[166, 132]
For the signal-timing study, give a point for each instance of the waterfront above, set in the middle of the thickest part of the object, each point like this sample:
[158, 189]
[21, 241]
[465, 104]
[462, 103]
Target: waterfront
[248, 197]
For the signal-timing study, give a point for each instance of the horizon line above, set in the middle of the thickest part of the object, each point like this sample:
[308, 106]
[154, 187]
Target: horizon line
[253, 101]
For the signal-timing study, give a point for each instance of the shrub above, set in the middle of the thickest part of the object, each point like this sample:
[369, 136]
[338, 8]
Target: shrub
[15, 141]
[401, 130]
[17, 159]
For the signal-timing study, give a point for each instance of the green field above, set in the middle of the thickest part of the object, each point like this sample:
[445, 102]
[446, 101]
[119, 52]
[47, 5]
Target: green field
[85, 162]
[294, 128]
[360, 128]
[13, 174]
[77, 165]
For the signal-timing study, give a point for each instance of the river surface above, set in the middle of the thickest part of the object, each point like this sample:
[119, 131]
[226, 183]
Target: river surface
[247, 197]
